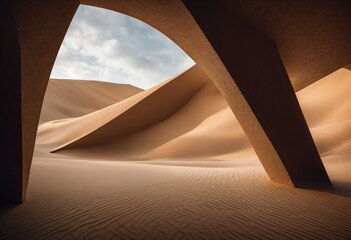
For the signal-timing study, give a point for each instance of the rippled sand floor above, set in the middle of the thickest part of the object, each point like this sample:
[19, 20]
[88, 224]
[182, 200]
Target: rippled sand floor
[72, 199]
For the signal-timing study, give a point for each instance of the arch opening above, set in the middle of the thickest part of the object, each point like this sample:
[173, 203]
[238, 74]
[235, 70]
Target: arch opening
[231, 73]
[175, 120]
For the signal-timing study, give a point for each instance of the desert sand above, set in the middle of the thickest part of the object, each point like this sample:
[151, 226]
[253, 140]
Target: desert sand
[186, 171]
[68, 99]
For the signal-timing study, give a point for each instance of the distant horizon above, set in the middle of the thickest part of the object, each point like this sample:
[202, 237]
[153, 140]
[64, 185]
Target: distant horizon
[107, 46]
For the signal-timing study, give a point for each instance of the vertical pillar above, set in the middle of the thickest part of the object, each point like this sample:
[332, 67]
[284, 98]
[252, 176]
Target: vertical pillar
[32, 35]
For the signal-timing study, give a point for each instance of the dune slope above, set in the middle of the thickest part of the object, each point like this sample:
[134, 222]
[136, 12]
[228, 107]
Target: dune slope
[152, 125]
[74, 98]
[133, 114]
[326, 105]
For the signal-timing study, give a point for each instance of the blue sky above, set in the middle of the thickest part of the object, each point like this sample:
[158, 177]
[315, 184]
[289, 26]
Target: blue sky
[109, 46]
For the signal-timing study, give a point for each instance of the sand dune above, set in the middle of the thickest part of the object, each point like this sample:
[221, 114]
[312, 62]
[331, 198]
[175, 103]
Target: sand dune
[194, 174]
[327, 101]
[135, 129]
[67, 98]
[126, 117]
[326, 105]
[155, 125]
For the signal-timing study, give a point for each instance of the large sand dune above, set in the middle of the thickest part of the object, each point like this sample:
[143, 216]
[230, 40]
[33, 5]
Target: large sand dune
[168, 121]
[172, 162]
[326, 105]
[186, 117]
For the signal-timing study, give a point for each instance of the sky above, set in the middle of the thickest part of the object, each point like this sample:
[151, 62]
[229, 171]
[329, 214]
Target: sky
[109, 46]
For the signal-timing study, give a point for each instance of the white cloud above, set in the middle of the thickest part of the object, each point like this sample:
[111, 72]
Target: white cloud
[109, 46]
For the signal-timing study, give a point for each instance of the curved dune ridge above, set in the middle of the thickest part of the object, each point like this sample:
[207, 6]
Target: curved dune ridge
[126, 117]
[194, 174]
[187, 117]
[170, 122]
[67, 98]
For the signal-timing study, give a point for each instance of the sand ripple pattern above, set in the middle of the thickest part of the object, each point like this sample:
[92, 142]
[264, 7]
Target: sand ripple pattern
[199, 204]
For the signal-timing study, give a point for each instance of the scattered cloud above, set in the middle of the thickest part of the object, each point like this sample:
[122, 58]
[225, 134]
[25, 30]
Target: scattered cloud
[109, 46]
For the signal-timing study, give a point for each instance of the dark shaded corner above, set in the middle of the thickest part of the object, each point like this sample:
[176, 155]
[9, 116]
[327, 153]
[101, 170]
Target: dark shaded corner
[11, 133]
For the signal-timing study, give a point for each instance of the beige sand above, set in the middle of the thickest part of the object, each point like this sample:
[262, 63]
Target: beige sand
[326, 105]
[156, 166]
[175, 124]
[67, 98]
[184, 129]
